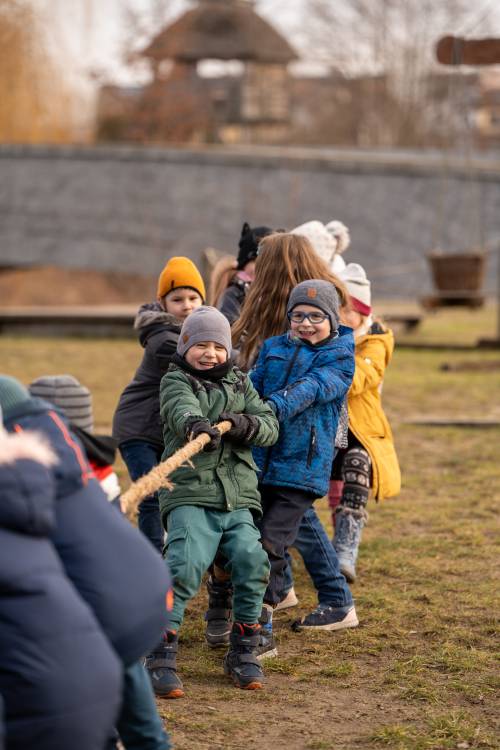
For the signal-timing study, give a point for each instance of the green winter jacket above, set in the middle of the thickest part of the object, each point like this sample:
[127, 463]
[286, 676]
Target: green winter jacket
[227, 478]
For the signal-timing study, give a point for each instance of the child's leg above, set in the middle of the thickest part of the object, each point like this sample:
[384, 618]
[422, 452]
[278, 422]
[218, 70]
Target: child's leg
[321, 562]
[351, 513]
[139, 724]
[249, 565]
[249, 571]
[193, 538]
[140, 457]
[283, 509]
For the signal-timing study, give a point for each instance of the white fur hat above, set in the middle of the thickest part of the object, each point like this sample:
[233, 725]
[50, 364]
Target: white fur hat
[358, 286]
[328, 241]
[340, 234]
[320, 238]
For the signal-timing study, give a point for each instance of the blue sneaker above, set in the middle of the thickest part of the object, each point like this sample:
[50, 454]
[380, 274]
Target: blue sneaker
[325, 617]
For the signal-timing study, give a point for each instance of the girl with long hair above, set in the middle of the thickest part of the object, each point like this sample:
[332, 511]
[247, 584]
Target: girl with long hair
[284, 261]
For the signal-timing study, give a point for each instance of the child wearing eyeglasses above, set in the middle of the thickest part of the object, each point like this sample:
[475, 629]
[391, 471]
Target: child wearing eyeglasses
[304, 375]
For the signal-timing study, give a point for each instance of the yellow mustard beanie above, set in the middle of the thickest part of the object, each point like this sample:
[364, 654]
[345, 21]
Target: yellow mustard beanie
[180, 272]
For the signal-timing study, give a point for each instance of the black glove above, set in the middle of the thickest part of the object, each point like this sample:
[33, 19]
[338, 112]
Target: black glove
[195, 427]
[245, 426]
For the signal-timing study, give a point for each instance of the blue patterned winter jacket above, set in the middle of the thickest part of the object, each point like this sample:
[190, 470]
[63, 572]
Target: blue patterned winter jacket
[306, 384]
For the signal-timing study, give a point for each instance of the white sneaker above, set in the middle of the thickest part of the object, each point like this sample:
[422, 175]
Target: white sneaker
[290, 600]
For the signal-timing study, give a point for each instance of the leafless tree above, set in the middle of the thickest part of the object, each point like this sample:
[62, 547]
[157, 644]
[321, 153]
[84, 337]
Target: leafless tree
[394, 39]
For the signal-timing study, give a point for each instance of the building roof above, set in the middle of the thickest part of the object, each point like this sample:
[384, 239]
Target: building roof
[220, 30]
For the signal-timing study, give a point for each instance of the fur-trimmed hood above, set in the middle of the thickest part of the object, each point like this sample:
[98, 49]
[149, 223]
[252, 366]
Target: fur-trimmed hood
[153, 313]
[31, 446]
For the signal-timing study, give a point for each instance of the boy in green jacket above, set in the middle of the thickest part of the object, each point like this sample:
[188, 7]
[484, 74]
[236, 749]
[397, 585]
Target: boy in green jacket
[215, 499]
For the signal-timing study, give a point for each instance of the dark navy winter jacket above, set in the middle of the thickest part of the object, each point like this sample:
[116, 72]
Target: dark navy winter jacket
[49, 637]
[307, 385]
[114, 568]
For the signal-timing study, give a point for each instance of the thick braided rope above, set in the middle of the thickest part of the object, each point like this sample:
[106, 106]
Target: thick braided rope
[158, 476]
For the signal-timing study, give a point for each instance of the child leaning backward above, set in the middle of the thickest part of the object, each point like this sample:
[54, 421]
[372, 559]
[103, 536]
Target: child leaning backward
[214, 500]
[304, 375]
[136, 423]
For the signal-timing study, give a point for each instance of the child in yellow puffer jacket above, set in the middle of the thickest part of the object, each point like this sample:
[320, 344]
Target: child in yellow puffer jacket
[369, 460]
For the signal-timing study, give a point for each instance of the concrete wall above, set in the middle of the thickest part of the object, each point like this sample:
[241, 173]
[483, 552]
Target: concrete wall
[132, 208]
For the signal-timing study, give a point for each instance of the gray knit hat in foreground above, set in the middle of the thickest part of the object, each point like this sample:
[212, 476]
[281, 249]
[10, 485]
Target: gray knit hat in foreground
[12, 393]
[320, 294]
[204, 324]
[69, 395]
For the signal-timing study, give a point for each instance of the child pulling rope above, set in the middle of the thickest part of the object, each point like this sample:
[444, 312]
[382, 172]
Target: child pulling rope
[158, 476]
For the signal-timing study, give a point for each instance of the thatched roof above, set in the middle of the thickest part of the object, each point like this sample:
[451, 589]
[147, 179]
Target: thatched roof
[221, 30]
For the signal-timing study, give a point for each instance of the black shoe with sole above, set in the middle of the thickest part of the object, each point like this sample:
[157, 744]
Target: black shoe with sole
[240, 662]
[161, 665]
[219, 613]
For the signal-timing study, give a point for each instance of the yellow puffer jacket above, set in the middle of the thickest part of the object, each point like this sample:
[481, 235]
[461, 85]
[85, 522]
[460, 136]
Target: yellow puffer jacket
[367, 420]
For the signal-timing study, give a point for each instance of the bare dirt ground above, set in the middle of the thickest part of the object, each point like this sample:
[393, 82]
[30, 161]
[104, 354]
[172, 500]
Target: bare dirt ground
[48, 285]
[420, 673]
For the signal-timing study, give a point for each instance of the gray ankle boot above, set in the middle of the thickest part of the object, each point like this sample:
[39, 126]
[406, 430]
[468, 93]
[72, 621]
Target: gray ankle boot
[348, 527]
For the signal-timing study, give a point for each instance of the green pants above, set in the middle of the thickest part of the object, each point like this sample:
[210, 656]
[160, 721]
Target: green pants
[194, 536]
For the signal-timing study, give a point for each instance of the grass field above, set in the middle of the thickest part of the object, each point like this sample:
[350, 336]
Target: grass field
[420, 673]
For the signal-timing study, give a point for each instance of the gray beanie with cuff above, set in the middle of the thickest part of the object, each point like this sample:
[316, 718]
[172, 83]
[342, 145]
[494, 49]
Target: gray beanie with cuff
[204, 324]
[320, 294]
[69, 395]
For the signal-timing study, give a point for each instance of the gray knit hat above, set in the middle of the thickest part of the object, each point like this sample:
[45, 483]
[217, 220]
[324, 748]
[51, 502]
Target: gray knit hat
[320, 294]
[204, 324]
[12, 393]
[69, 395]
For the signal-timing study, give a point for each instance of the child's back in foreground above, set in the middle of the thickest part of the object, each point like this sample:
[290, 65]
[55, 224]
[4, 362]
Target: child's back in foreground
[213, 502]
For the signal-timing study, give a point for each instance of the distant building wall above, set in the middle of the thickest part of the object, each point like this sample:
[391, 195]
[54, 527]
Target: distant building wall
[132, 208]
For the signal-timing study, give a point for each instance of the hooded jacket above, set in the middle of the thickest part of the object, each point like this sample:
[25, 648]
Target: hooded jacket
[225, 479]
[48, 634]
[137, 416]
[113, 567]
[307, 385]
[367, 420]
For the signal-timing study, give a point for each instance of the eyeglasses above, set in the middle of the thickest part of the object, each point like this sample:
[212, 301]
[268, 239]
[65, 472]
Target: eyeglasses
[313, 317]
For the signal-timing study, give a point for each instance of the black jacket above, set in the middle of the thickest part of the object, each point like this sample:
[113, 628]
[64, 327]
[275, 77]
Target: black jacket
[48, 634]
[137, 416]
[232, 300]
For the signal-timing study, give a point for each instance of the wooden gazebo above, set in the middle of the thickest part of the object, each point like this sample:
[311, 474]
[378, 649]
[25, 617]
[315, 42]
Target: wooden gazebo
[259, 106]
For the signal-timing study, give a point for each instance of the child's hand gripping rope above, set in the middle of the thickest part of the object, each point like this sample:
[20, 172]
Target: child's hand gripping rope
[158, 477]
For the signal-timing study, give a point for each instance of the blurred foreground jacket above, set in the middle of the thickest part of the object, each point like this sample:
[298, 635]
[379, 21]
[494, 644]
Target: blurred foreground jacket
[60, 679]
[113, 567]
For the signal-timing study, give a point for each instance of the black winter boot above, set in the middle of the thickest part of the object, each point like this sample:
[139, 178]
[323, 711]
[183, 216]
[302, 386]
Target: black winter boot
[162, 667]
[240, 662]
[219, 612]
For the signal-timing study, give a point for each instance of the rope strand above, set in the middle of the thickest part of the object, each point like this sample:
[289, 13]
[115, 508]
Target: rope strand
[157, 478]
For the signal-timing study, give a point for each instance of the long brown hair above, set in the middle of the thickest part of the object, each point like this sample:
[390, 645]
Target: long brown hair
[223, 273]
[284, 261]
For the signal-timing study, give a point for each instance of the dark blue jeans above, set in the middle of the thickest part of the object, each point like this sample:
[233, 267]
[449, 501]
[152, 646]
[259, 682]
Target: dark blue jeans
[139, 725]
[140, 457]
[320, 560]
